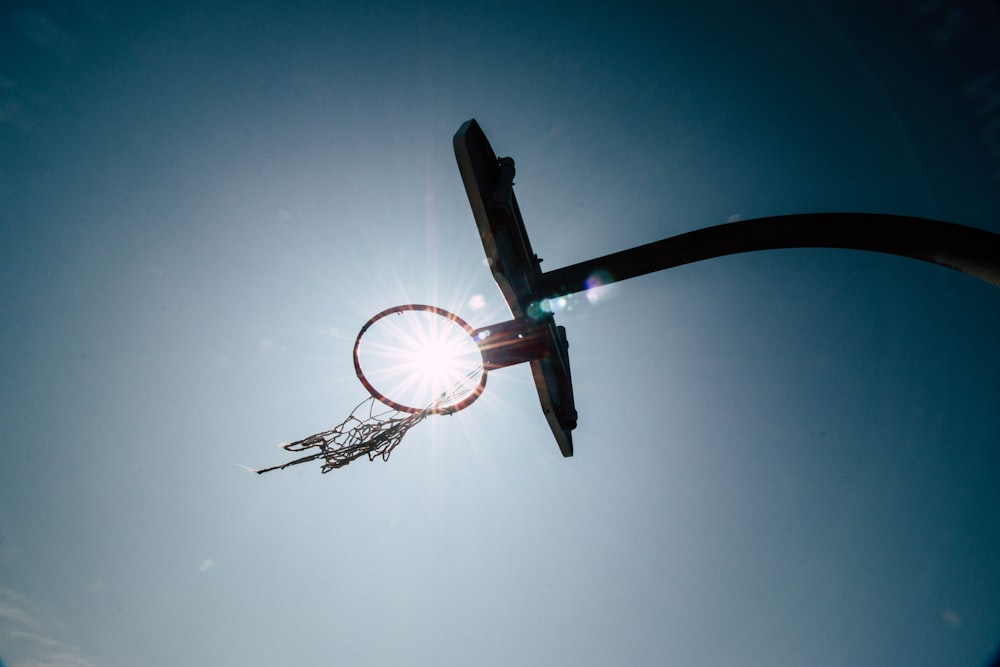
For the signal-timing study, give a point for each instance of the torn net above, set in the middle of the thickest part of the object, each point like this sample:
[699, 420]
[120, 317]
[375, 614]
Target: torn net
[371, 430]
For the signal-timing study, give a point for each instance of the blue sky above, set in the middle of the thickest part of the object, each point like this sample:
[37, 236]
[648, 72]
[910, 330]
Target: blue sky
[783, 458]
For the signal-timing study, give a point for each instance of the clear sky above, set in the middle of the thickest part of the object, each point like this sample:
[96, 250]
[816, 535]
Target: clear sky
[783, 458]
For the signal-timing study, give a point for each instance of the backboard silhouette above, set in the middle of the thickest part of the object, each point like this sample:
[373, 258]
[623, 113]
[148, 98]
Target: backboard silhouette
[489, 184]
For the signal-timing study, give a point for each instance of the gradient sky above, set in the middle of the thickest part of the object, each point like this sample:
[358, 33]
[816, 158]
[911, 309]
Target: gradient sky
[783, 458]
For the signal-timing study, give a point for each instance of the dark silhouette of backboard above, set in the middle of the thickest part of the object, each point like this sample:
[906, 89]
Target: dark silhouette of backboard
[489, 183]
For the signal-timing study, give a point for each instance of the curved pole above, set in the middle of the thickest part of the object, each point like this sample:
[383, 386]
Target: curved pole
[975, 252]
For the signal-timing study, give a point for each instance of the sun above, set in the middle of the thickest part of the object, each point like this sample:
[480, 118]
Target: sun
[438, 356]
[414, 357]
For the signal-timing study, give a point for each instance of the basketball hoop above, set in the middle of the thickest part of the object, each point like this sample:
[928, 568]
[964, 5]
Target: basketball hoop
[373, 432]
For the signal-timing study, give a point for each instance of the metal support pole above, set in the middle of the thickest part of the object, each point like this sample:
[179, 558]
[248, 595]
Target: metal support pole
[514, 342]
[975, 252]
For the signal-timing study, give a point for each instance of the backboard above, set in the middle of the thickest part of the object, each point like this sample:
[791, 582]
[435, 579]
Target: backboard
[489, 184]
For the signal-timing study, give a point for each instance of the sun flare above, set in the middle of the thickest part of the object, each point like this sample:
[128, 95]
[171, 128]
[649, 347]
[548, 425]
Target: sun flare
[439, 359]
[415, 357]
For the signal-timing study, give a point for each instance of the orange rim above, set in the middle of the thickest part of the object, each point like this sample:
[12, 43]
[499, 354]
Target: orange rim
[443, 410]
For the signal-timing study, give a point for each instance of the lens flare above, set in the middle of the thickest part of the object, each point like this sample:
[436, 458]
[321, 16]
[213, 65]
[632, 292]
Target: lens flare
[596, 286]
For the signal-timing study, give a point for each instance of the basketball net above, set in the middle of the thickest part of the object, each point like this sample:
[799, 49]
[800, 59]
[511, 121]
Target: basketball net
[371, 430]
